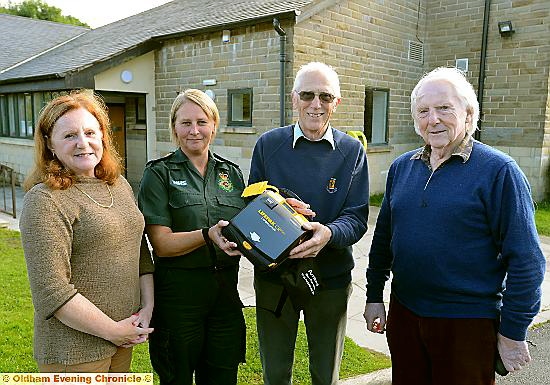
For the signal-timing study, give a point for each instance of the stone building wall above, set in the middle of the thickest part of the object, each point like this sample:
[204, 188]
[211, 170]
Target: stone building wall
[249, 60]
[515, 96]
[367, 42]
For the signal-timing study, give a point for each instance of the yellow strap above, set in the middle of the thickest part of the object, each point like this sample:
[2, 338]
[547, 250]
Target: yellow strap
[359, 135]
[257, 189]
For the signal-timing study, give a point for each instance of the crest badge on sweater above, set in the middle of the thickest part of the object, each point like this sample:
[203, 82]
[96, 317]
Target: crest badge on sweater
[331, 186]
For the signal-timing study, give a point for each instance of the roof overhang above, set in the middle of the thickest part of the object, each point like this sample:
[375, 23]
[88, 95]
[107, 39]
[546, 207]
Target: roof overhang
[84, 77]
[243, 23]
[80, 78]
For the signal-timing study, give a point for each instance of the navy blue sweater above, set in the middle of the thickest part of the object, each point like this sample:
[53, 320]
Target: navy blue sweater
[334, 182]
[451, 239]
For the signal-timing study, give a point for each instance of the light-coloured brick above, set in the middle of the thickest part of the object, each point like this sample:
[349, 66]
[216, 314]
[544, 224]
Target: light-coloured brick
[366, 41]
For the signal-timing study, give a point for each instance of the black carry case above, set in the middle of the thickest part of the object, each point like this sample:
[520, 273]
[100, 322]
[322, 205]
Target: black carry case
[266, 230]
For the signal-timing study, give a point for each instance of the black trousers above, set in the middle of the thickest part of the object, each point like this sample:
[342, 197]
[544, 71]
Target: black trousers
[199, 326]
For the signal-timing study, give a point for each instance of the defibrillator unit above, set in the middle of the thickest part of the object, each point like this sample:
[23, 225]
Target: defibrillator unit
[267, 228]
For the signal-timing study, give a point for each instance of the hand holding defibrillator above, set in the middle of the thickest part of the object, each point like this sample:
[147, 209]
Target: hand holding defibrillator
[320, 237]
[271, 225]
[215, 235]
[320, 232]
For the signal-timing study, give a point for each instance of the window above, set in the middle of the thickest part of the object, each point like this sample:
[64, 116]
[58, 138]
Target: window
[21, 116]
[376, 115]
[4, 126]
[19, 112]
[25, 115]
[240, 107]
[12, 120]
[141, 112]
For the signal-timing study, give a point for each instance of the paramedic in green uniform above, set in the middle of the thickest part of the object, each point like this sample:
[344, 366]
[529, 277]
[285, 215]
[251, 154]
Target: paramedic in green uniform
[186, 198]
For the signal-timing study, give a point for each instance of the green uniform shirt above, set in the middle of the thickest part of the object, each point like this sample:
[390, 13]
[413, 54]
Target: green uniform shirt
[174, 194]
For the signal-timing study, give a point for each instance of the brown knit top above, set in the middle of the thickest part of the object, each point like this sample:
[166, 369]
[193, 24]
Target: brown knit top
[73, 245]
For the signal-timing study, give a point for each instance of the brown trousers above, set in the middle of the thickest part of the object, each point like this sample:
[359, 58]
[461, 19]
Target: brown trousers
[440, 351]
[118, 363]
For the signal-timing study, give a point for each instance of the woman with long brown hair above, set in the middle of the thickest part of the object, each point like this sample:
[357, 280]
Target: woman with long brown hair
[81, 231]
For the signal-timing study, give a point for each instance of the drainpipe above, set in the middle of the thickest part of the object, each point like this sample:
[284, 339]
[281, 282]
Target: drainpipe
[481, 79]
[282, 43]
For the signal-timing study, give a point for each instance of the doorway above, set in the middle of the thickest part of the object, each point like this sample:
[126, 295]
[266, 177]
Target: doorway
[117, 117]
[129, 133]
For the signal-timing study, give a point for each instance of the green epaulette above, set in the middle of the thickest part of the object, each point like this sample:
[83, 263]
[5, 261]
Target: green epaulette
[165, 157]
[222, 159]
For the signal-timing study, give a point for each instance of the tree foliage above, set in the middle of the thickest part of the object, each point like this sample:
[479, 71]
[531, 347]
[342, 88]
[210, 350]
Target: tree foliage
[37, 9]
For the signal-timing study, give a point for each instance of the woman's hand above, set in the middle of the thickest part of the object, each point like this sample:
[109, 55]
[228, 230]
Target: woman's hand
[81, 314]
[130, 332]
[215, 234]
[143, 320]
[144, 317]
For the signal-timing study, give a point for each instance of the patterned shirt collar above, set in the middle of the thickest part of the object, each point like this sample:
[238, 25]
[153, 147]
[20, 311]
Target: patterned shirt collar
[328, 136]
[463, 150]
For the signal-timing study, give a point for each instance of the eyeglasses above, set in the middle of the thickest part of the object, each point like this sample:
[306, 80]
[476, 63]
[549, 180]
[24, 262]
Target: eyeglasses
[308, 96]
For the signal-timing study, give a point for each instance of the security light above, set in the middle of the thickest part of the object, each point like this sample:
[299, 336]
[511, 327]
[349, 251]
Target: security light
[505, 28]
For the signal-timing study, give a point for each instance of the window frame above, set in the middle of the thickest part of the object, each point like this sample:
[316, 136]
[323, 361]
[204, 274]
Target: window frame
[230, 94]
[19, 112]
[371, 109]
[141, 110]
[4, 120]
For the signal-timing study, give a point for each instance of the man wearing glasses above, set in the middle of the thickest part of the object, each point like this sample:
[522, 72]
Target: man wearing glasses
[328, 170]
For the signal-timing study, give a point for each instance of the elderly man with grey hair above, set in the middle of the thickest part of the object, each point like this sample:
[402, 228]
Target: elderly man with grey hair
[328, 170]
[457, 231]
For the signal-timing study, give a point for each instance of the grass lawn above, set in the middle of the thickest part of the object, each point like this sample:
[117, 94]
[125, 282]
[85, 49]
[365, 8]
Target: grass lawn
[16, 309]
[542, 218]
[16, 330]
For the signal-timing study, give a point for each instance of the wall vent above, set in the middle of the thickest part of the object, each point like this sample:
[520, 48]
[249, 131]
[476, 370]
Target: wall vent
[416, 51]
